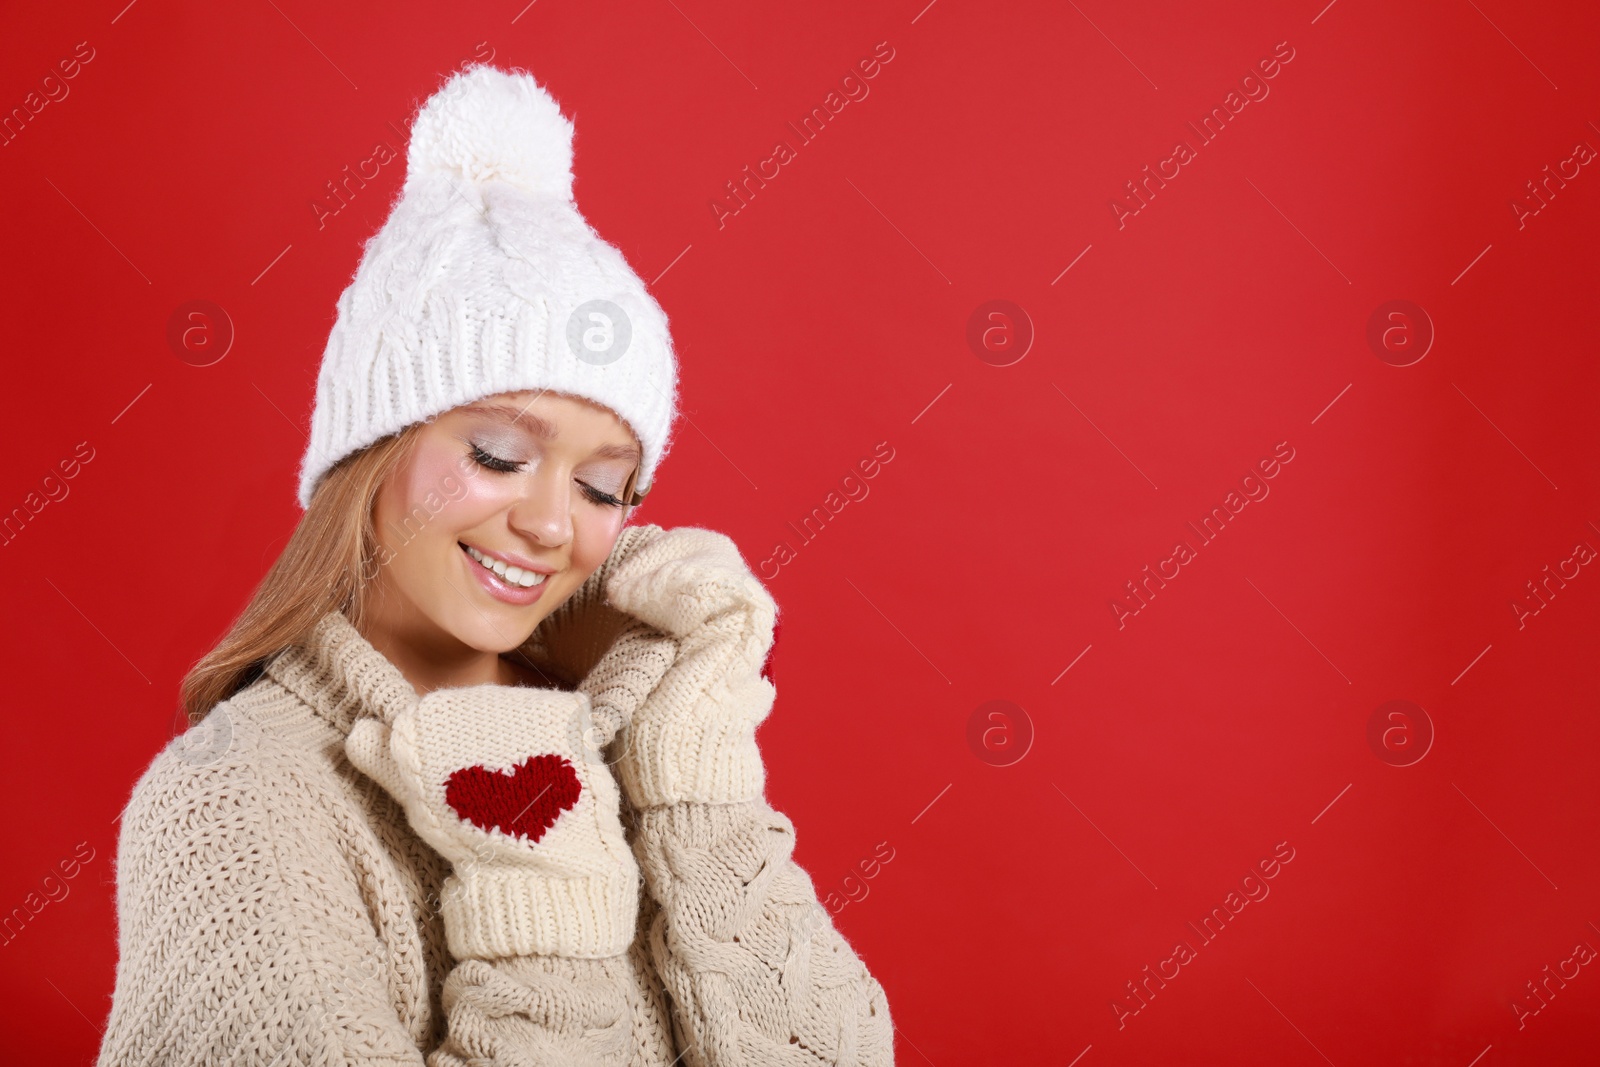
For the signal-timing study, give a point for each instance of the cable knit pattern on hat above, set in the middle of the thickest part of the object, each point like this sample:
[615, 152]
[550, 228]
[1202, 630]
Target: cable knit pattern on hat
[486, 279]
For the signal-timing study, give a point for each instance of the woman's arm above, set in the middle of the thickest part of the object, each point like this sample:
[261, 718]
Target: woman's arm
[553, 1010]
[756, 970]
[541, 908]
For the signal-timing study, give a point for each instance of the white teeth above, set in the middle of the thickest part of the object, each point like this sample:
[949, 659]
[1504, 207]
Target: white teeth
[513, 575]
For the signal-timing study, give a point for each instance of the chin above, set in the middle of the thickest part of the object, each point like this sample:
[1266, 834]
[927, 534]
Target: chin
[510, 631]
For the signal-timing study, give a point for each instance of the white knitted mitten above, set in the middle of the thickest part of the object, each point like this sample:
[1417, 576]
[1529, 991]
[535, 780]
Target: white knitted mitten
[595, 647]
[509, 785]
[693, 737]
[569, 644]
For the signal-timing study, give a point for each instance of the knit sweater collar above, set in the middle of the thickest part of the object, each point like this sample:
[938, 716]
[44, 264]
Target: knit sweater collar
[339, 673]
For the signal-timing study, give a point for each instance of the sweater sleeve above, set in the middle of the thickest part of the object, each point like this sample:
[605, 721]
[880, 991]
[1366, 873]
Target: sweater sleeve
[756, 972]
[557, 1011]
[243, 938]
[542, 1010]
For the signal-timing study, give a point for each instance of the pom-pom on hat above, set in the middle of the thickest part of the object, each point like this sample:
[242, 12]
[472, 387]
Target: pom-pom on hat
[486, 279]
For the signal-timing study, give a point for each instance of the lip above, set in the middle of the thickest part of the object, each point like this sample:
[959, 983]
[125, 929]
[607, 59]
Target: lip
[498, 587]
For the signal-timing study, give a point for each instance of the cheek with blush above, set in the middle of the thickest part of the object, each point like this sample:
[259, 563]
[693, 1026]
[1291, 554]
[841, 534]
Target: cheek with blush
[594, 536]
[422, 508]
[449, 492]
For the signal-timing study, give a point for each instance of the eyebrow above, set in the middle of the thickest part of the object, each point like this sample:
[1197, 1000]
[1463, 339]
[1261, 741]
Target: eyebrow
[545, 430]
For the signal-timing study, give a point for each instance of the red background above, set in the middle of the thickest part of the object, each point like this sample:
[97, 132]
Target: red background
[830, 314]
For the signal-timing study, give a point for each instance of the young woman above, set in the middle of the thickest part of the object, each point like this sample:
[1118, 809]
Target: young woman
[473, 778]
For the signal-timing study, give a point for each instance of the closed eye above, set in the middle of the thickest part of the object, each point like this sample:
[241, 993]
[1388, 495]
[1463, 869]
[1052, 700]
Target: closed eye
[506, 466]
[494, 463]
[604, 499]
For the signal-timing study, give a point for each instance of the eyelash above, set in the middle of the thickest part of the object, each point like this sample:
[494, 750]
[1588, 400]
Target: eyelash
[505, 466]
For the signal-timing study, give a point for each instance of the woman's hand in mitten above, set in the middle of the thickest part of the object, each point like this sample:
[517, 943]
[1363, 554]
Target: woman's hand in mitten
[569, 644]
[693, 736]
[626, 675]
[508, 784]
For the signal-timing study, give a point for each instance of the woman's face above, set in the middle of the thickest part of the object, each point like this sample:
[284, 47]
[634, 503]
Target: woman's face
[531, 481]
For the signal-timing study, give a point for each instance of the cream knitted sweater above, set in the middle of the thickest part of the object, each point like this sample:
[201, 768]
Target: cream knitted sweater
[275, 907]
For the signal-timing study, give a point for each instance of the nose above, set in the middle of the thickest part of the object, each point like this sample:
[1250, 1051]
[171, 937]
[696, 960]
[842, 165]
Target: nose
[543, 510]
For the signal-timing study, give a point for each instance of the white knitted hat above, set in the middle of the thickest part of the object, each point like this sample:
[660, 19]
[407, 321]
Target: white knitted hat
[485, 279]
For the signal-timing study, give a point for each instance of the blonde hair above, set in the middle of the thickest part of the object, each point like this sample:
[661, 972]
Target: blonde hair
[326, 566]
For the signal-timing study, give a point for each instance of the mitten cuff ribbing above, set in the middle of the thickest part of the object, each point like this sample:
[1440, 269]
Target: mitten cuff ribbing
[707, 755]
[494, 912]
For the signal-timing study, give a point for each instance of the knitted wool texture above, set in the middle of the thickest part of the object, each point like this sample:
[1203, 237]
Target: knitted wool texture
[275, 906]
[486, 279]
[740, 942]
[503, 782]
[694, 737]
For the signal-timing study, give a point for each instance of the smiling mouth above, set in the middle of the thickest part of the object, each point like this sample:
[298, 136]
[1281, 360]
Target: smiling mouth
[511, 575]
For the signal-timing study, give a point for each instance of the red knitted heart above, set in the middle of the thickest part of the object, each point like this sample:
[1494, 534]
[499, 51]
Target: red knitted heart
[523, 803]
